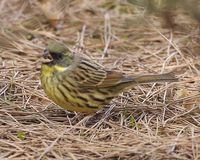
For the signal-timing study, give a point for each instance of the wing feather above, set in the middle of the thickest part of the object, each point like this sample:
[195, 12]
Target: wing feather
[89, 75]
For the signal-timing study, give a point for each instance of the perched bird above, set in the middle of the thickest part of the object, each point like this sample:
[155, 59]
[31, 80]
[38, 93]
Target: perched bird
[79, 85]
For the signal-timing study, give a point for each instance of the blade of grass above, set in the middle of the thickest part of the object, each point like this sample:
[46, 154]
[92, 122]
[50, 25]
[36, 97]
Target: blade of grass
[11, 85]
[134, 123]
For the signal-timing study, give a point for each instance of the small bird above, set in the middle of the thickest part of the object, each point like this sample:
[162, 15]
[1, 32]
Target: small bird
[79, 85]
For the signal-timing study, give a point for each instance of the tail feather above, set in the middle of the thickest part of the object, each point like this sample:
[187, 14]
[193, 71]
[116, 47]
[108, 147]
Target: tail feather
[167, 77]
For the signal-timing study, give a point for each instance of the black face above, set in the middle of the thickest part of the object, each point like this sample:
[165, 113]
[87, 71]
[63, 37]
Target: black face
[56, 57]
[58, 54]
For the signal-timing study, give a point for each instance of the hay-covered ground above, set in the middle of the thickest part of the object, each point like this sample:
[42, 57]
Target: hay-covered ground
[155, 121]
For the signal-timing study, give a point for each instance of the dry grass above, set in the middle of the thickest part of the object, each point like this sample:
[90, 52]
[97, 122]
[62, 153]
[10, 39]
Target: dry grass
[148, 122]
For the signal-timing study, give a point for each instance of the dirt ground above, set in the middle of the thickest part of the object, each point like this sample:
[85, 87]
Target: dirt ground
[151, 121]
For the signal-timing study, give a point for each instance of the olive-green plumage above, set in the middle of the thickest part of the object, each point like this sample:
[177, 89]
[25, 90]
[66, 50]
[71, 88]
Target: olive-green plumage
[79, 85]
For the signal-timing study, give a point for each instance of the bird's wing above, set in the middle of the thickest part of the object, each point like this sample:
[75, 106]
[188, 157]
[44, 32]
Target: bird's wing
[88, 74]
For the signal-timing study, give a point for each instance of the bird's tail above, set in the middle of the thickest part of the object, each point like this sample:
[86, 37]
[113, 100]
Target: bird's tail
[167, 77]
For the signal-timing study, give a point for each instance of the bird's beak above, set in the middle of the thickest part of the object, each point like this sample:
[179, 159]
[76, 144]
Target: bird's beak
[45, 53]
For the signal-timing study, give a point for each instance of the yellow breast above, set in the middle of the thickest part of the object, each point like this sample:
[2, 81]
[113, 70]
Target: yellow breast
[63, 90]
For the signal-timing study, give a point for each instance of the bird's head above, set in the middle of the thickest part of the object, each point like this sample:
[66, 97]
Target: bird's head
[59, 54]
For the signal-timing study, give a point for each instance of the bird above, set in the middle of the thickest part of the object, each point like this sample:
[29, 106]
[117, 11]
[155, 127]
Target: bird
[77, 84]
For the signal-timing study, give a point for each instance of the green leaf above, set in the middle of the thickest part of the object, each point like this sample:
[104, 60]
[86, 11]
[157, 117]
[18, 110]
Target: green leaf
[21, 135]
[29, 37]
[134, 123]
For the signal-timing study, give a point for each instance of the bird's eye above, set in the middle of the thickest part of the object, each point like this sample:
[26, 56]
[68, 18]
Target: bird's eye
[60, 55]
